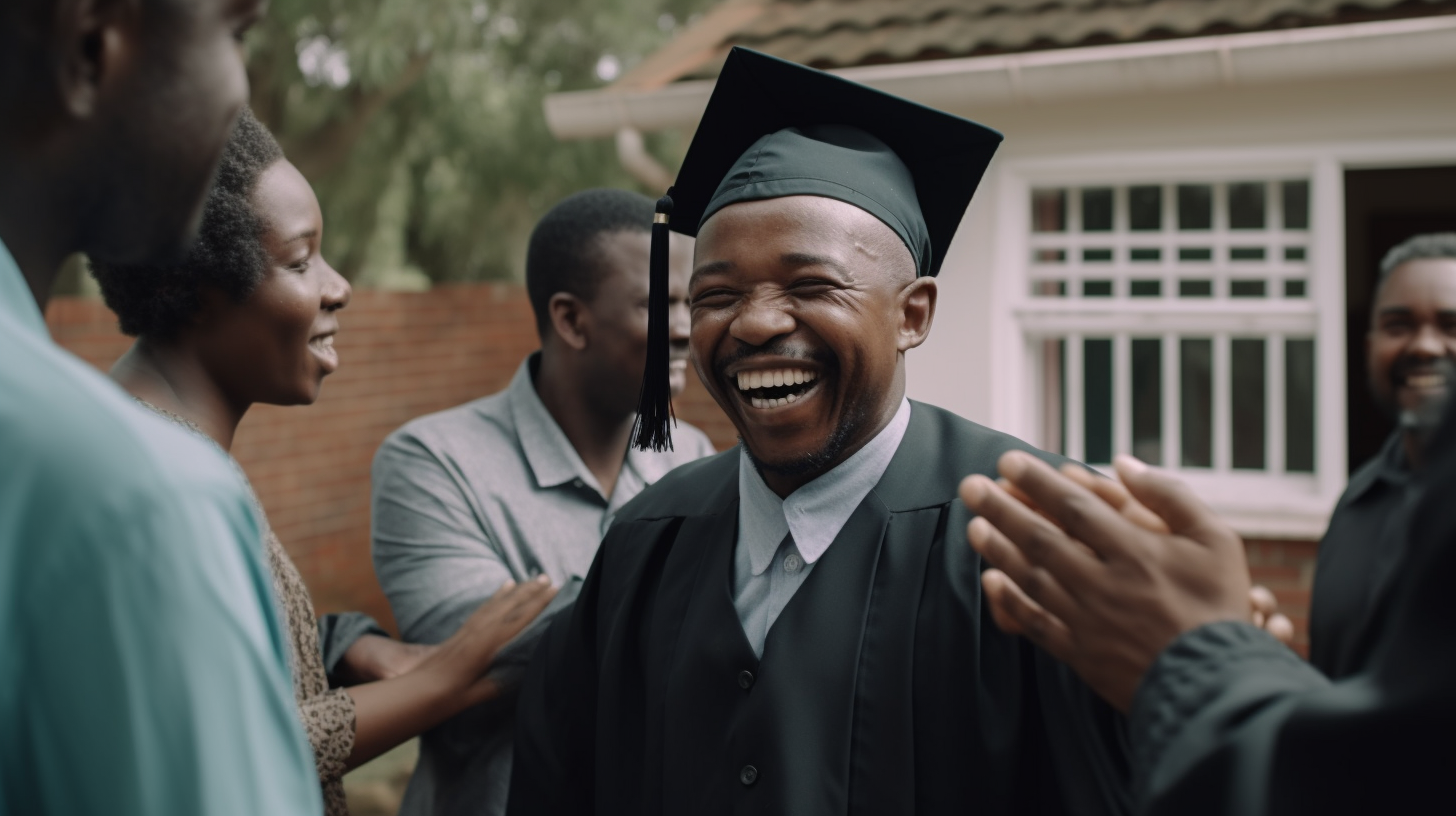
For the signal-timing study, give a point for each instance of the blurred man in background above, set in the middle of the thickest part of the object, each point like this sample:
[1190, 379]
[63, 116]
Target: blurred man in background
[1410, 352]
[143, 668]
[526, 481]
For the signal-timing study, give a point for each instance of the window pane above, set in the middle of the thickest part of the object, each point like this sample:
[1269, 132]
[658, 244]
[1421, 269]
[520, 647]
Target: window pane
[1246, 288]
[1294, 288]
[1147, 400]
[1054, 395]
[1246, 205]
[1195, 288]
[1097, 255]
[1097, 209]
[1246, 389]
[1246, 254]
[1195, 254]
[1097, 288]
[1145, 208]
[1195, 207]
[1146, 288]
[1296, 204]
[1195, 397]
[1049, 288]
[1097, 400]
[1146, 254]
[1299, 406]
[1294, 253]
[1048, 210]
[1049, 256]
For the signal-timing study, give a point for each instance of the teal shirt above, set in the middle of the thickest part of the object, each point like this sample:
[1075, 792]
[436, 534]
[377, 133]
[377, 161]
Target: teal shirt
[142, 663]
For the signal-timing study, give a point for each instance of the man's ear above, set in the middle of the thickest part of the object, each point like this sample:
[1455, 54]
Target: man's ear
[917, 312]
[93, 39]
[570, 319]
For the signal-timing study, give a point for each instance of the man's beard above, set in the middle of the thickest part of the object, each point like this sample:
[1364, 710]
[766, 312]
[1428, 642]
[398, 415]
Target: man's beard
[1423, 418]
[816, 463]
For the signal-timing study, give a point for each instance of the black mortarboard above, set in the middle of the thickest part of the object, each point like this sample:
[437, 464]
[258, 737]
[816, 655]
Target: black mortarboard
[774, 128]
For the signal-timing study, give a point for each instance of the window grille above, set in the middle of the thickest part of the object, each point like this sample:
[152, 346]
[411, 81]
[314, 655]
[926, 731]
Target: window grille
[1172, 320]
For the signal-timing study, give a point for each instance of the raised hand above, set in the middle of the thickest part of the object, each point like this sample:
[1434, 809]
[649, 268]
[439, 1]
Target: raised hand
[1096, 584]
[1263, 606]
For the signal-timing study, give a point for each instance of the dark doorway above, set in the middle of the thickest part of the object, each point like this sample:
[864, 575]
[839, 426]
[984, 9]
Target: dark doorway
[1382, 208]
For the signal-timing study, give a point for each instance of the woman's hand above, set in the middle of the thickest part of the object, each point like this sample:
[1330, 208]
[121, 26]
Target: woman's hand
[449, 679]
[468, 654]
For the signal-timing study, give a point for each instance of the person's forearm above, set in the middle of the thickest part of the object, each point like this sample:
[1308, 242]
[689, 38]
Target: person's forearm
[388, 712]
[1223, 690]
[452, 679]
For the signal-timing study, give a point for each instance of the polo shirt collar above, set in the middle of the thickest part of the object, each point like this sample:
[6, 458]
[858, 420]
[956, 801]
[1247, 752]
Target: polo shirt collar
[16, 301]
[550, 454]
[816, 512]
[552, 458]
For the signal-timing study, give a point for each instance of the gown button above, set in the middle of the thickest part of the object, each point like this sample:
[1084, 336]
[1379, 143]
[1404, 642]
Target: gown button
[748, 775]
[745, 679]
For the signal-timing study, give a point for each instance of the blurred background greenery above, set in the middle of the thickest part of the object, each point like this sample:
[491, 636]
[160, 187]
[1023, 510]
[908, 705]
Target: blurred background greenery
[420, 124]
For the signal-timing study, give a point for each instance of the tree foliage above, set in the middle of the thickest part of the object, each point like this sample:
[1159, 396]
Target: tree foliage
[420, 123]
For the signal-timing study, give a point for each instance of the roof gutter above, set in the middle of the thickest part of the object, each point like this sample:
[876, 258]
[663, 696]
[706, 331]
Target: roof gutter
[973, 83]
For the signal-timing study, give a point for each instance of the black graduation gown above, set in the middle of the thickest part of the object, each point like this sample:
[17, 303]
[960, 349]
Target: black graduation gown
[884, 686]
[1230, 722]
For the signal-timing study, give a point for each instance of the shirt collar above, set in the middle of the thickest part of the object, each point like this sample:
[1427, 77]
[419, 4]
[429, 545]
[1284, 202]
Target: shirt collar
[553, 459]
[16, 300]
[816, 512]
[551, 456]
[1389, 465]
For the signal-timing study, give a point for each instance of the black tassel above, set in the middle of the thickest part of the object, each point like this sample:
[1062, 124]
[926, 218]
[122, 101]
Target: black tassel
[654, 407]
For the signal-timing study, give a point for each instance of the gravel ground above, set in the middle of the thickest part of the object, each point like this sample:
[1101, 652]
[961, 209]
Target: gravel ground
[377, 787]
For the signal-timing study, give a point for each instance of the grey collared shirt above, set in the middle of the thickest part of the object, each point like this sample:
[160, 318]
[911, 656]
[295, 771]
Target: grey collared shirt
[464, 500]
[780, 540]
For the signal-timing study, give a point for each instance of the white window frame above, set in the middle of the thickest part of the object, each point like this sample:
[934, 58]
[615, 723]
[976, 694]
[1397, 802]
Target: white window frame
[1264, 504]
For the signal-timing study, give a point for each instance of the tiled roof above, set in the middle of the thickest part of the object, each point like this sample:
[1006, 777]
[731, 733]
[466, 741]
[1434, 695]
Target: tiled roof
[843, 33]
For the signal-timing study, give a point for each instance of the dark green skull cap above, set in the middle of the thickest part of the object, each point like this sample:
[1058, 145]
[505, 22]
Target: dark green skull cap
[833, 161]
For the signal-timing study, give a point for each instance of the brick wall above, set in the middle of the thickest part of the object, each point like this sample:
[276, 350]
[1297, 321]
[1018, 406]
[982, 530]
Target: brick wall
[407, 354]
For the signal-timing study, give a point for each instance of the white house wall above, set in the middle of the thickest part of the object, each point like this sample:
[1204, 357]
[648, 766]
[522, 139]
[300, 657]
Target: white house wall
[974, 363]
[1276, 121]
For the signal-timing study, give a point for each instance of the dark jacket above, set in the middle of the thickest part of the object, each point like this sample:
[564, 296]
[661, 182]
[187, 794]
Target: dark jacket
[1230, 722]
[884, 687]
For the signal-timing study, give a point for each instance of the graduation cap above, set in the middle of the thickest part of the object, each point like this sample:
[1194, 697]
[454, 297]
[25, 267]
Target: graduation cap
[775, 128]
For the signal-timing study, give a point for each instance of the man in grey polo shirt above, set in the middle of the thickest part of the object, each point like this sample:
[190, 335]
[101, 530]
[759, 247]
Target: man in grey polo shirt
[526, 481]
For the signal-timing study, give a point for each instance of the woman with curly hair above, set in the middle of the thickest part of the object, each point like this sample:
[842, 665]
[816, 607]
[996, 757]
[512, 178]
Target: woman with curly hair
[250, 316]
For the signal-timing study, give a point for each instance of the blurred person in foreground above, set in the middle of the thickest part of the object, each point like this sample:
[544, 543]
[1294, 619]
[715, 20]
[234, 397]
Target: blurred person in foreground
[524, 482]
[250, 316]
[1410, 350]
[795, 626]
[1141, 589]
[142, 665]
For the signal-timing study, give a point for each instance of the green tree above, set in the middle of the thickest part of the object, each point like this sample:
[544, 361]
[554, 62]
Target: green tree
[420, 124]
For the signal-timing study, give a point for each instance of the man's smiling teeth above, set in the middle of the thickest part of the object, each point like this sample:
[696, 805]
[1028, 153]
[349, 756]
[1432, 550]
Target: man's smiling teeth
[760, 402]
[748, 380]
[1425, 381]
